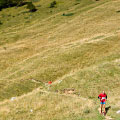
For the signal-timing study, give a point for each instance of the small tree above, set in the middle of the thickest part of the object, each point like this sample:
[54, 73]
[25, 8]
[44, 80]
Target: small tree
[31, 7]
[20, 2]
[53, 4]
[2, 4]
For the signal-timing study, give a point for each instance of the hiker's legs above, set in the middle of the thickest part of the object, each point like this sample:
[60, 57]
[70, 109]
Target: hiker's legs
[104, 108]
[101, 108]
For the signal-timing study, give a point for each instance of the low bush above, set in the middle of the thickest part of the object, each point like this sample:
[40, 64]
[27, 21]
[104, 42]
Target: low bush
[68, 14]
[31, 7]
[53, 4]
[11, 3]
[1, 23]
[86, 111]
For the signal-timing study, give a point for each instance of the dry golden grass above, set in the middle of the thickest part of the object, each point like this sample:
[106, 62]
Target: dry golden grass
[45, 105]
[81, 50]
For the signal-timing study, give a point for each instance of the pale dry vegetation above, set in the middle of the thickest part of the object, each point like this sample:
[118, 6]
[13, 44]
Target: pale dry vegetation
[82, 50]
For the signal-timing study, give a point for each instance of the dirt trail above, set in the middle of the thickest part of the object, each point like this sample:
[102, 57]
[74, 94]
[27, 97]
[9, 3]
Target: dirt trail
[46, 91]
[106, 117]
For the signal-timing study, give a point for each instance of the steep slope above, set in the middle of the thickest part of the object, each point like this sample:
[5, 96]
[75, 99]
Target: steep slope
[78, 43]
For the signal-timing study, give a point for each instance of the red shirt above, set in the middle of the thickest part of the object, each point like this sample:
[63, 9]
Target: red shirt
[102, 97]
[50, 82]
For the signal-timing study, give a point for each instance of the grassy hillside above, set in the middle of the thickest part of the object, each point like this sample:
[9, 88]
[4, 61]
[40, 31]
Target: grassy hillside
[74, 45]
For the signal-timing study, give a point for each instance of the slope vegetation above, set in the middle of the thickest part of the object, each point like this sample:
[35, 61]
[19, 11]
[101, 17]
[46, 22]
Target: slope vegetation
[74, 45]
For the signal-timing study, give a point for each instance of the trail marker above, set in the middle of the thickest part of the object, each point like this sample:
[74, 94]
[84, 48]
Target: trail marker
[49, 84]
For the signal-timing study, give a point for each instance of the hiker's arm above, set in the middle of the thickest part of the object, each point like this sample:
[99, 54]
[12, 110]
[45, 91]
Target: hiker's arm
[106, 97]
[98, 97]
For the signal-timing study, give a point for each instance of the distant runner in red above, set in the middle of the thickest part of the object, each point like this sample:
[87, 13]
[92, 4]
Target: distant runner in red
[103, 99]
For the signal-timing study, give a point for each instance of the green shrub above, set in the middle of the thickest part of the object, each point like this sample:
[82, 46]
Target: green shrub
[1, 23]
[77, 3]
[53, 4]
[4, 48]
[68, 14]
[27, 22]
[2, 4]
[31, 7]
[86, 111]
[26, 17]
[35, 0]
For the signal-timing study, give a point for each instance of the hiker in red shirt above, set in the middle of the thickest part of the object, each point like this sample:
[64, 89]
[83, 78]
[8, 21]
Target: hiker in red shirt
[103, 98]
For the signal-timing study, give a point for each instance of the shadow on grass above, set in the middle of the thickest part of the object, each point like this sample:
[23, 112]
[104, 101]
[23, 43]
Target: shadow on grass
[107, 109]
[118, 11]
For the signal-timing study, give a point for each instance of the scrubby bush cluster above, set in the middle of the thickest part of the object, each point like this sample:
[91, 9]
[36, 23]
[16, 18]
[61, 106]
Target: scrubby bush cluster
[53, 4]
[31, 7]
[0, 23]
[68, 14]
[10, 3]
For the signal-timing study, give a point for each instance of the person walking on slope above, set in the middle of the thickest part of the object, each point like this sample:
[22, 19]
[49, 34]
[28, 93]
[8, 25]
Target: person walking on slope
[103, 99]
